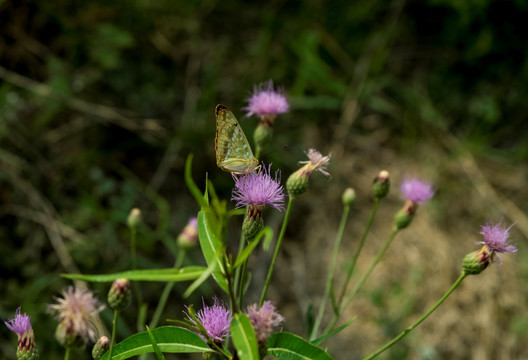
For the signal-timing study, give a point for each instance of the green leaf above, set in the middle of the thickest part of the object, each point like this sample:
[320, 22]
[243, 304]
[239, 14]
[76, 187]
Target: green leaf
[169, 339]
[266, 231]
[212, 248]
[332, 333]
[196, 193]
[287, 346]
[183, 274]
[244, 338]
[154, 343]
[196, 283]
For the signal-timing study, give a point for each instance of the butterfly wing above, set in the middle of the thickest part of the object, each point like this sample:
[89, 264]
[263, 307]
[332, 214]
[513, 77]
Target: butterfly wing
[233, 152]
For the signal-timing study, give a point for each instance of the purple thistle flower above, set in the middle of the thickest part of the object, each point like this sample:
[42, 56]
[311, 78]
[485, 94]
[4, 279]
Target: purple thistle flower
[496, 239]
[264, 320]
[258, 189]
[417, 191]
[20, 324]
[265, 101]
[78, 315]
[215, 319]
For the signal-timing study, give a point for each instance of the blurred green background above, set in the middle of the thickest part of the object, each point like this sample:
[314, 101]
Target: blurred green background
[102, 101]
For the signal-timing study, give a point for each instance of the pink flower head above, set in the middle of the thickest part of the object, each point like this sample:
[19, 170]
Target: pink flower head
[316, 162]
[259, 189]
[78, 314]
[21, 326]
[496, 239]
[215, 319]
[417, 191]
[267, 102]
[264, 320]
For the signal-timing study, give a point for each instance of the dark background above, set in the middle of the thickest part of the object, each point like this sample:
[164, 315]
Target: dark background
[102, 101]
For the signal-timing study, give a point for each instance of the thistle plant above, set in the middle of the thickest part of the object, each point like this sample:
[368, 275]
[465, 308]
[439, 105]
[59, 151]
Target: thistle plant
[226, 327]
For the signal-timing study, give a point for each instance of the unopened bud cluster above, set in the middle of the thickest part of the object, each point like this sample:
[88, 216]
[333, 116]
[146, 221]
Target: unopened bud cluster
[100, 348]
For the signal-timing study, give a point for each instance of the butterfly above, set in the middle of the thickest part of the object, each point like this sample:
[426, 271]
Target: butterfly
[233, 152]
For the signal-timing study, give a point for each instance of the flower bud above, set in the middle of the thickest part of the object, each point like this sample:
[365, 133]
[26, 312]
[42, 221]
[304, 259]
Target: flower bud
[188, 238]
[119, 294]
[134, 218]
[475, 262]
[297, 183]
[381, 184]
[31, 354]
[349, 196]
[102, 346]
[253, 222]
[403, 218]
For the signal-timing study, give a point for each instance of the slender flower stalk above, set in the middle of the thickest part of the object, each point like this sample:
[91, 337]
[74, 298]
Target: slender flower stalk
[352, 265]
[331, 270]
[496, 241]
[419, 321]
[277, 250]
[118, 299]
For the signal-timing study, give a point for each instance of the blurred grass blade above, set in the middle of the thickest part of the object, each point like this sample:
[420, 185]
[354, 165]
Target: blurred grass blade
[183, 274]
[169, 339]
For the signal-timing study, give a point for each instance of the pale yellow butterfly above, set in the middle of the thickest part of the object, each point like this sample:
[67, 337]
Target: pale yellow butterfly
[233, 152]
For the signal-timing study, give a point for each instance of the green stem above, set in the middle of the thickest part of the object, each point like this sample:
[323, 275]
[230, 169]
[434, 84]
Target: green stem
[230, 288]
[166, 292]
[352, 265]
[238, 280]
[133, 261]
[242, 284]
[362, 281]
[67, 354]
[114, 330]
[277, 248]
[419, 321]
[331, 271]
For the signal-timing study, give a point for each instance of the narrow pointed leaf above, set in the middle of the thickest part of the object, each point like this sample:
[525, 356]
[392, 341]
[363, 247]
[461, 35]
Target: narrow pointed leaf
[212, 248]
[244, 337]
[332, 333]
[196, 193]
[287, 346]
[169, 339]
[196, 283]
[267, 232]
[154, 343]
[183, 274]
